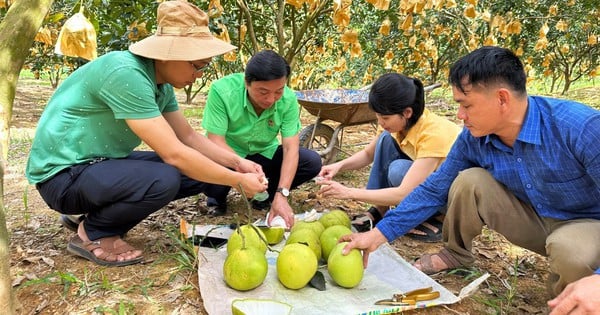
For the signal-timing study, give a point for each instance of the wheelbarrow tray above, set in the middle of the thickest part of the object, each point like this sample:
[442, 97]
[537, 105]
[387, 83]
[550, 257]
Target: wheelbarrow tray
[348, 107]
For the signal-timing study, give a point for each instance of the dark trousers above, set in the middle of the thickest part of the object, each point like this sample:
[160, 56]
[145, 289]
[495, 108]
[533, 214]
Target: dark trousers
[309, 166]
[117, 194]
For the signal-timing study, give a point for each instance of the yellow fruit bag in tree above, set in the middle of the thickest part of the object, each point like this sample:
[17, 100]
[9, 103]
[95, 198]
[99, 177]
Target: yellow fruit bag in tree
[77, 38]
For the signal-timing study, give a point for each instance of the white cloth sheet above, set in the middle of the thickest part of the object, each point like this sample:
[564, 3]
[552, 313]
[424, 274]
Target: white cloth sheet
[387, 273]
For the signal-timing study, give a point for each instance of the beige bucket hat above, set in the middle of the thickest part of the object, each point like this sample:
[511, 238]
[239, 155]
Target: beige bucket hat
[182, 34]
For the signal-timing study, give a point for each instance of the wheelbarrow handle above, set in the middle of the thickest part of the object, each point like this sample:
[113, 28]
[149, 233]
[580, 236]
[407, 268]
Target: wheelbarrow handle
[432, 87]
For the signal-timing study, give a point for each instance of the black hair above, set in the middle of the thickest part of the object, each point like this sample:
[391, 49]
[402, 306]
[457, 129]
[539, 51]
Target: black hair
[266, 65]
[489, 65]
[392, 93]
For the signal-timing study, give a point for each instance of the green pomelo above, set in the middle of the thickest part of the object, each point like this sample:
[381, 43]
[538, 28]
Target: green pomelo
[329, 238]
[274, 235]
[259, 307]
[343, 216]
[308, 237]
[245, 269]
[347, 271]
[335, 217]
[296, 265]
[316, 226]
[251, 236]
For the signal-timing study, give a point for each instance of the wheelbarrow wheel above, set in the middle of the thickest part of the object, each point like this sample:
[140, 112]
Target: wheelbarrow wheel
[322, 140]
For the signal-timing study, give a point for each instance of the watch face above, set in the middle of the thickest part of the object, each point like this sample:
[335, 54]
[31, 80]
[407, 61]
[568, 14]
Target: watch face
[284, 191]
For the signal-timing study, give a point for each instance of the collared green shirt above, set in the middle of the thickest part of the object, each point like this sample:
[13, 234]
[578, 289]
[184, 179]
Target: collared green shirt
[229, 113]
[85, 117]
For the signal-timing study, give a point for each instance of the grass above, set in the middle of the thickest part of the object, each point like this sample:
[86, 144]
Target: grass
[193, 112]
[90, 284]
[186, 253]
[502, 300]
[20, 143]
[123, 307]
[27, 75]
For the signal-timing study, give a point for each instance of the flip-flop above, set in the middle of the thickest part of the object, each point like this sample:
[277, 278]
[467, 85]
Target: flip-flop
[429, 236]
[363, 223]
[110, 247]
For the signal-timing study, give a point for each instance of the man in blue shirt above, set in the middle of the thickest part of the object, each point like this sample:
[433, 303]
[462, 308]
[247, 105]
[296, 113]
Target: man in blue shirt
[527, 167]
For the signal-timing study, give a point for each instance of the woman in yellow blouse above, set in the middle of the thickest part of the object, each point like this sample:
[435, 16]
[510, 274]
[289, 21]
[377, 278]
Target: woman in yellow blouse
[411, 143]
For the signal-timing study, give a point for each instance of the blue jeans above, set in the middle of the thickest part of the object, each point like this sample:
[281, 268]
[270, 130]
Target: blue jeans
[390, 164]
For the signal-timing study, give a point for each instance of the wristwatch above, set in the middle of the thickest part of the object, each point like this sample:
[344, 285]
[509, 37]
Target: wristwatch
[284, 191]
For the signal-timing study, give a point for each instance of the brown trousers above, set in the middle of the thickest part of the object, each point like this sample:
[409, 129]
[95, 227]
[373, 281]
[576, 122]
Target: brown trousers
[477, 199]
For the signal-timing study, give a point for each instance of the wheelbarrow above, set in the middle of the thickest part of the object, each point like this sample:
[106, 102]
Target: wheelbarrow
[345, 106]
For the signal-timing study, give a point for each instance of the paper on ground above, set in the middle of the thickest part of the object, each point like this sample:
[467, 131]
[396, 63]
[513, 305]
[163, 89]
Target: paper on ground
[388, 273]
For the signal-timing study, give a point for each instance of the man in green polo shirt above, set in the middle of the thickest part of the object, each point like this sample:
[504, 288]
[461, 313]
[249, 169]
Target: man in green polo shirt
[245, 113]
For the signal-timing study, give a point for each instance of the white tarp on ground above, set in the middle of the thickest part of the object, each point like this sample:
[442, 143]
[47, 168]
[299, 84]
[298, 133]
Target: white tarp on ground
[387, 273]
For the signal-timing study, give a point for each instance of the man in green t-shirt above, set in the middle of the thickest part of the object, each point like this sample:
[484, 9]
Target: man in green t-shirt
[245, 113]
[82, 159]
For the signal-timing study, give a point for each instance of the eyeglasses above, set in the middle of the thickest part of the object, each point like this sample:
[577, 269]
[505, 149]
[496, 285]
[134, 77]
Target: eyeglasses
[198, 69]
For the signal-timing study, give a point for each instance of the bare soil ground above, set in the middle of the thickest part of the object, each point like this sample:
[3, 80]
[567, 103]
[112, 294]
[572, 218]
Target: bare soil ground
[48, 280]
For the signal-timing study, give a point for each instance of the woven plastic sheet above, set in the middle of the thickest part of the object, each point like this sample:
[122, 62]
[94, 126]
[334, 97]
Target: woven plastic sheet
[388, 273]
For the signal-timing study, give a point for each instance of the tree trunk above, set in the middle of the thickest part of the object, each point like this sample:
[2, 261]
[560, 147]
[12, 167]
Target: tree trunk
[567, 77]
[17, 31]
[249, 24]
[7, 301]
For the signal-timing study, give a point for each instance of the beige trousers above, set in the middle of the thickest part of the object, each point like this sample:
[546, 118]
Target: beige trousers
[477, 199]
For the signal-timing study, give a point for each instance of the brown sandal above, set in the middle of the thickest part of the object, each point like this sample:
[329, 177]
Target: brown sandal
[111, 246]
[445, 255]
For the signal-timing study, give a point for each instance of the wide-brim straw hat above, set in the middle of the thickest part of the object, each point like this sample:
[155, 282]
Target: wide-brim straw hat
[182, 34]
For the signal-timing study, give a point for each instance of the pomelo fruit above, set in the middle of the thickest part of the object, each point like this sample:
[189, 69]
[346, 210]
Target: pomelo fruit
[296, 265]
[343, 217]
[259, 307]
[245, 268]
[308, 237]
[329, 238]
[274, 235]
[347, 271]
[316, 226]
[335, 217]
[252, 239]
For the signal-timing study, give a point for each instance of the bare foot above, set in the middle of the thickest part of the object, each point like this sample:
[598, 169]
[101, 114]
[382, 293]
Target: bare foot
[98, 252]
